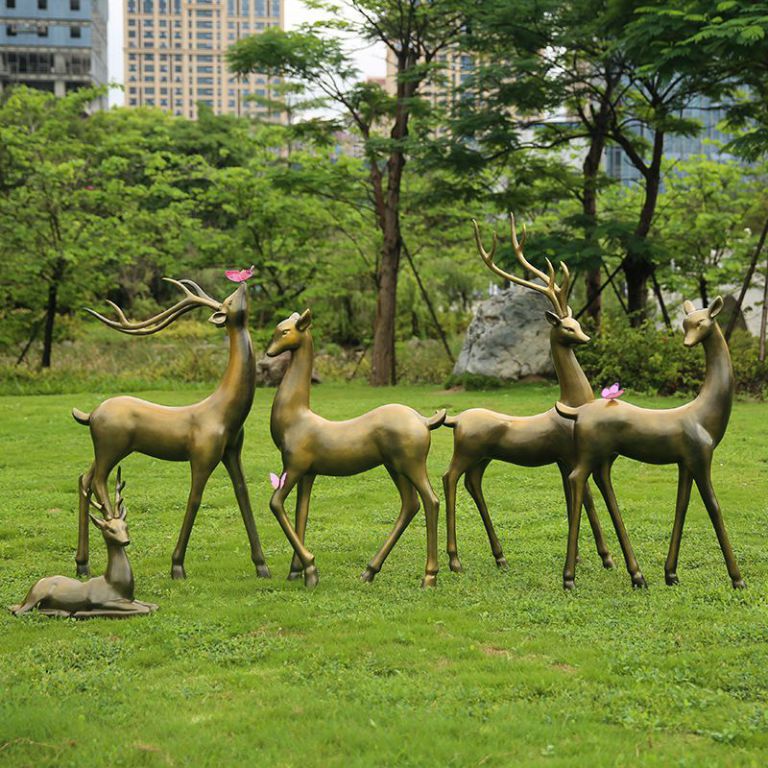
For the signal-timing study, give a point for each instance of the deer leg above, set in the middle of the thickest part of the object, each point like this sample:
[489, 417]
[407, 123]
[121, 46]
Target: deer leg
[603, 482]
[431, 504]
[704, 484]
[450, 480]
[684, 482]
[200, 474]
[303, 493]
[234, 467]
[597, 531]
[408, 508]
[576, 482]
[473, 482]
[83, 527]
[277, 505]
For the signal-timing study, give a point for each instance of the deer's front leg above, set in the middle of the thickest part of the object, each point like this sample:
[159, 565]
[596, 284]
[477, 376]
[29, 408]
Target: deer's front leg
[234, 467]
[303, 493]
[277, 505]
[201, 471]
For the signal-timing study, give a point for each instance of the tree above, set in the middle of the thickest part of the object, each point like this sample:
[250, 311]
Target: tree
[414, 34]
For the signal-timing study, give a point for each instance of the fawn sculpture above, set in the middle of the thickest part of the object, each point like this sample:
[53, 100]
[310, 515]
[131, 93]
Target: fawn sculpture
[481, 435]
[686, 436]
[203, 434]
[108, 595]
[393, 435]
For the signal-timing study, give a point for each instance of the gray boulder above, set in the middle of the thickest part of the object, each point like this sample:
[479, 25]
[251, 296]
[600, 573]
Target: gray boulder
[508, 337]
[270, 370]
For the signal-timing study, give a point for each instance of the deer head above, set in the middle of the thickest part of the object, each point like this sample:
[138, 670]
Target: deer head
[233, 311]
[288, 334]
[113, 528]
[699, 323]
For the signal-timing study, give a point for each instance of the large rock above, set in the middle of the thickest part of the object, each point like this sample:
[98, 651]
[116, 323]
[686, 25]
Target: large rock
[270, 370]
[508, 337]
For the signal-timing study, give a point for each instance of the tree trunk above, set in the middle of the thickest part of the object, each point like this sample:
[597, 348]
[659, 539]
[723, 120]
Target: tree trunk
[50, 316]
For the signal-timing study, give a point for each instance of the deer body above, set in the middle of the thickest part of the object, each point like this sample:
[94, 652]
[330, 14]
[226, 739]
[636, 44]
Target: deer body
[204, 434]
[686, 436]
[481, 435]
[395, 436]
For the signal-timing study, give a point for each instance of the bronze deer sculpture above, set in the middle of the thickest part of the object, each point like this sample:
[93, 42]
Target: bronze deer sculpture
[203, 434]
[686, 436]
[482, 435]
[393, 435]
[110, 595]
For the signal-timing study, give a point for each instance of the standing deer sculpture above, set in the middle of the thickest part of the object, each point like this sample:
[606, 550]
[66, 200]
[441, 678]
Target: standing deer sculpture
[393, 435]
[482, 435]
[203, 434]
[109, 595]
[686, 436]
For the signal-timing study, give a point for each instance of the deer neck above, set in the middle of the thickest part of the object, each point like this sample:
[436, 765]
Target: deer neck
[292, 397]
[716, 395]
[119, 574]
[235, 391]
[574, 386]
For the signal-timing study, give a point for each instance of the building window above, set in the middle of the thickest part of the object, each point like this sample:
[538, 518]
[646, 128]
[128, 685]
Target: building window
[42, 5]
[10, 3]
[74, 31]
[42, 31]
[74, 5]
[10, 30]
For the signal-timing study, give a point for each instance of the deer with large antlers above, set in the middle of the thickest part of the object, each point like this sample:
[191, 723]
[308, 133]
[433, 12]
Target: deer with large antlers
[482, 435]
[393, 435]
[204, 434]
[686, 436]
[108, 595]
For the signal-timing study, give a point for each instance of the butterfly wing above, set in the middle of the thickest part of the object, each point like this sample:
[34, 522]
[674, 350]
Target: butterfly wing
[275, 480]
[282, 479]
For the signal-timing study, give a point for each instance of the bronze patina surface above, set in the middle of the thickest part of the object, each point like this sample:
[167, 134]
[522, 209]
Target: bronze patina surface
[110, 595]
[393, 435]
[482, 435]
[686, 436]
[203, 434]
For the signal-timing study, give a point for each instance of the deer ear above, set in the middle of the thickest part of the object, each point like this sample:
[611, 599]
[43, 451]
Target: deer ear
[688, 307]
[305, 320]
[716, 306]
[97, 521]
[552, 319]
[569, 311]
[218, 318]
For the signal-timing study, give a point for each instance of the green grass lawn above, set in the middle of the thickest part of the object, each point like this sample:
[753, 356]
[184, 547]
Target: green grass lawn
[489, 669]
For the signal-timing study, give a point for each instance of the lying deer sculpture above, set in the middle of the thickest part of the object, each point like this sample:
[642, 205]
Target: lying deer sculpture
[393, 435]
[203, 434]
[686, 436]
[481, 435]
[107, 595]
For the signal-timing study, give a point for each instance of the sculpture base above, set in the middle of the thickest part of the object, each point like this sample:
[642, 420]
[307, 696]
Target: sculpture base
[132, 608]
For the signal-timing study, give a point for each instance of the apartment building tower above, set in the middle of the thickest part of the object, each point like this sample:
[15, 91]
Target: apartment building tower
[175, 54]
[53, 45]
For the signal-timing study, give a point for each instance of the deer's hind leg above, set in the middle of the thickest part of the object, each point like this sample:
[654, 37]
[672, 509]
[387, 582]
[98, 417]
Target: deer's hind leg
[409, 506]
[473, 482]
[418, 476]
[303, 493]
[684, 483]
[84, 499]
[457, 468]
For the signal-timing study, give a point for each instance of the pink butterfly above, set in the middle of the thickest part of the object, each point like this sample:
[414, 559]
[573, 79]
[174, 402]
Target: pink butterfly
[612, 392]
[240, 275]
[277, 482]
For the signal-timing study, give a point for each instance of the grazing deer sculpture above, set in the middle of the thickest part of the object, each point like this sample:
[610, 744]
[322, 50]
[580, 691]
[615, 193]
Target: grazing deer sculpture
[686, 436]
[481, 435]
[107, 595]
[203, 434]
[393, 435]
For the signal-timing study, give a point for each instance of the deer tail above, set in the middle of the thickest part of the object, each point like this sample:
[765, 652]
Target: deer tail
[81, 417]
[433, 422]
[451, 422]
[567, 411]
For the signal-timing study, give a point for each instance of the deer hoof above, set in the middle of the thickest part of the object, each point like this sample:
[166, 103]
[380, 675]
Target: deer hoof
[569, 584]
[178, 572]
[294, 575]
[671, 579]
[311, 577]
[501, 563]
[263, 572]
[608, 562]
[638, 581]
[739, 584]
[429, 581]
[368, 575]
[455, 564]
[83, 569]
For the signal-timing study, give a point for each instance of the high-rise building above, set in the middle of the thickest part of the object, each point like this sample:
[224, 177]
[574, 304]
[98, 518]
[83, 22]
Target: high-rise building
[53, 45]
[175, 54]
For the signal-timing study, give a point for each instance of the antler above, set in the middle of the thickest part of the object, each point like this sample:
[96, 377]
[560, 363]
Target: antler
[558, 295]
[119, 500]
[194, 296]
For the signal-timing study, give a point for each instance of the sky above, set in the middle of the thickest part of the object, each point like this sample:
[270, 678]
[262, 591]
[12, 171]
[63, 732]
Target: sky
[370, 59]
